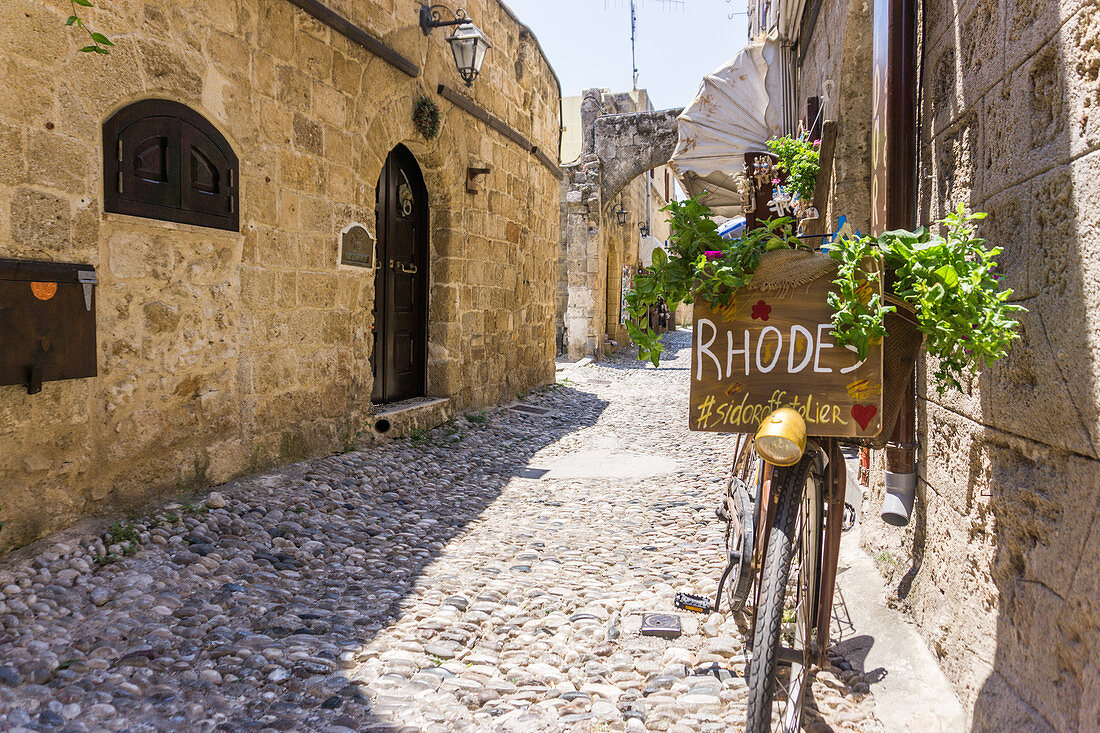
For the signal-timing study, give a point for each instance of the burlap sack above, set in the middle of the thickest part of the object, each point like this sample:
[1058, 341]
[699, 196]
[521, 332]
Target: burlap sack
[785, 270]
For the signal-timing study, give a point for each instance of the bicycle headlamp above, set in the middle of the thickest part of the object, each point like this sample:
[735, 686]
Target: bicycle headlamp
[781, 438]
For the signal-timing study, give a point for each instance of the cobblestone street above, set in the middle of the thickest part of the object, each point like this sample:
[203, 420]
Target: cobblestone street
[486, 575]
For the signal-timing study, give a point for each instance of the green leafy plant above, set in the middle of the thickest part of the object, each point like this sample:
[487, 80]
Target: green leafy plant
[800, 160]
[948, 279]
[859, 315]
[118, 533]
[699, 263]
[99, 42]
[962, 310]
[477, 418]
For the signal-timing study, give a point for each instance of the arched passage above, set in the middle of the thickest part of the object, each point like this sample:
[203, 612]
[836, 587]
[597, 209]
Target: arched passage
[629, 145]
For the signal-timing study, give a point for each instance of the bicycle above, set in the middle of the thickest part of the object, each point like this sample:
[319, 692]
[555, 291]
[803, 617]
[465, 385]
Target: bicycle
[784, 504]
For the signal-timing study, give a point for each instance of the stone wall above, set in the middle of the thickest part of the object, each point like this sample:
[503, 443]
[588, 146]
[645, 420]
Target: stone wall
[998, 567]
[221, 353]
[837, 68]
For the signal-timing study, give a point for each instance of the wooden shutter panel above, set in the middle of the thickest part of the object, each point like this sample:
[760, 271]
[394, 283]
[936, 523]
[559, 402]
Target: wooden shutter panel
[163, 160]
[207, 176]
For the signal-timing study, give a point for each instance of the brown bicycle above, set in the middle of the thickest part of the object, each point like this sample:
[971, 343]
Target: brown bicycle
[784, 503]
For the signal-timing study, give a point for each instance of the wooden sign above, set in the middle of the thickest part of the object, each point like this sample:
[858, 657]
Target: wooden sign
[767, 350]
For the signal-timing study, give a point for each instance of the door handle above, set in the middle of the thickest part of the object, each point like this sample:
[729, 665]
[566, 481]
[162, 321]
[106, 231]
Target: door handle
[409, 270]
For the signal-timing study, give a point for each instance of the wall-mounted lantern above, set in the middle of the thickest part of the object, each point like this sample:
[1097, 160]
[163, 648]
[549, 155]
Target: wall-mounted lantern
[468, 43]
[643, 229]
[620, 213]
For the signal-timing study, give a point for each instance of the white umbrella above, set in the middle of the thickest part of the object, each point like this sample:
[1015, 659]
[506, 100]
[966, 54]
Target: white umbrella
[737, 108]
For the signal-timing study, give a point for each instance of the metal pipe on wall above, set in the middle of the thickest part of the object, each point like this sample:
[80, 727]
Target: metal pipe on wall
[893, 197]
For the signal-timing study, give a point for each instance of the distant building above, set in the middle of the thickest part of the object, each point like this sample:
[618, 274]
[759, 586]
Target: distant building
[593, 278]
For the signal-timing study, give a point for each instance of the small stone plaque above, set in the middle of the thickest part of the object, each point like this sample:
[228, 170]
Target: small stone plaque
[357, 247]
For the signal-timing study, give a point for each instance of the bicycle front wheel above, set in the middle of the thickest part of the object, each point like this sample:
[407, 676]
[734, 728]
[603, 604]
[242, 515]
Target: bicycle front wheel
[786, 611]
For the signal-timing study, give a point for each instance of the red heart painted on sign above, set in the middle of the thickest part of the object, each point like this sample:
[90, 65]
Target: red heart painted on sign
[863, 414]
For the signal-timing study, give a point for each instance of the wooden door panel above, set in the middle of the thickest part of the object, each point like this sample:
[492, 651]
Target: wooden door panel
[400, 302]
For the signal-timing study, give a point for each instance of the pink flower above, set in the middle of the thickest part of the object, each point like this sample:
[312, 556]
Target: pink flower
[775, 181]
[816, 143]
[713, 254]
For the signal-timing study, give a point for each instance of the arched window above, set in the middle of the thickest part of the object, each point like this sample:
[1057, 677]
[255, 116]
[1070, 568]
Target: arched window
[163, 160]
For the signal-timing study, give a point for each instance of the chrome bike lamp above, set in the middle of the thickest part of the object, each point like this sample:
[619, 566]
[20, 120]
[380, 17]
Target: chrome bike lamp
[781, 438]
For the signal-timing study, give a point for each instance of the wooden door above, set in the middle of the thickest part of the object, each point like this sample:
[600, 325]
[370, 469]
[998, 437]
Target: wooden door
[400, 282]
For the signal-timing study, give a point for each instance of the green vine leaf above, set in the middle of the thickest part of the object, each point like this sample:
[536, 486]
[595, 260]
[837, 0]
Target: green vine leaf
[99, 41]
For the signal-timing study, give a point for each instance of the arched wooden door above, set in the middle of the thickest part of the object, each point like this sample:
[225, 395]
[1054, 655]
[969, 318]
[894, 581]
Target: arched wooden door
[400, 281]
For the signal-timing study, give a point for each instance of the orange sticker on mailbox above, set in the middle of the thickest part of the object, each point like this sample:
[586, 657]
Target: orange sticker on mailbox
[43, 291]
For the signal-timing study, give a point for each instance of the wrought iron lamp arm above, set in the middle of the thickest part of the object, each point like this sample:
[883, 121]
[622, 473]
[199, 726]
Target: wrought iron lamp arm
[431, 16]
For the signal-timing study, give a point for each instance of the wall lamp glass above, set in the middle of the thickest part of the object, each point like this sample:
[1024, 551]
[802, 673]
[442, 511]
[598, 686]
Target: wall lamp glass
[620, 213]
[468, 43]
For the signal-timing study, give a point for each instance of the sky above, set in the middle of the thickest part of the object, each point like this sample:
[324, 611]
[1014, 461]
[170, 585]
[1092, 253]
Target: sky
[678, 43]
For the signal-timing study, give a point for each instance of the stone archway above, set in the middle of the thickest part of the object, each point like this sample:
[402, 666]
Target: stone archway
[616, 149]
[628, 145]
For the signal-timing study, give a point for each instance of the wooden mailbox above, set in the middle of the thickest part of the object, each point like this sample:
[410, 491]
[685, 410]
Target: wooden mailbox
[774, 348]
[47, 322]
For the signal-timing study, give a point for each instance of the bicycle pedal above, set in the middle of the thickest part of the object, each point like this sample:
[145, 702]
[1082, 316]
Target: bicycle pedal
[689, 602]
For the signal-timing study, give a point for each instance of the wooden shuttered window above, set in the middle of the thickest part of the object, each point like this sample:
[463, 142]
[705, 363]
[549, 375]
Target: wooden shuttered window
[163, 160]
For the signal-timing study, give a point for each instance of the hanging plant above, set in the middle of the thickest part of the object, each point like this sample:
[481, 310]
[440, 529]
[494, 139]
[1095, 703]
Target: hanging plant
[948, 279]
[800, 160]
[426, 118]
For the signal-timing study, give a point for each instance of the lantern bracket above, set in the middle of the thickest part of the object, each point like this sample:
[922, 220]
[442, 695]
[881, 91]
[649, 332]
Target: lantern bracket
[432, 16]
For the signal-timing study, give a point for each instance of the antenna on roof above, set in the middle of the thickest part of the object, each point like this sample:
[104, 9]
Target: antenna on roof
[667, 4]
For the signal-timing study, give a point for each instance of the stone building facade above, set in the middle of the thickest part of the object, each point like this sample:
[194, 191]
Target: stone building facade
[624, 145]
[998, 567]
[224, 352]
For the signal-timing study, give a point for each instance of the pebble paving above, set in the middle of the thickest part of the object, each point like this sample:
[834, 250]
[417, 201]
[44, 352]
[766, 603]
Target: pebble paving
[485, 575]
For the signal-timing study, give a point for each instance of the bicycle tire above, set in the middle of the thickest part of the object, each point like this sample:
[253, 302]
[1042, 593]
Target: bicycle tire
[761, 674]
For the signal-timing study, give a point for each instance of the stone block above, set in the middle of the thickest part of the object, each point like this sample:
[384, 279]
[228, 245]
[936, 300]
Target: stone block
[227, 51]
[318, 251]
[331, 105]
[13, 162]
[317, 289]
[58, 162]
[999, 707]
[317, 215]
[982, 43]
[277, 248]
[346, 73]
[302, 173]
[293, 89]
[259, 288]
[169, 68]
[275, 29]
[308, 135]
[41, 224]
[313, 55]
